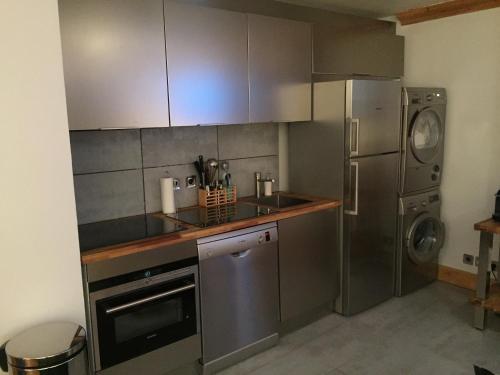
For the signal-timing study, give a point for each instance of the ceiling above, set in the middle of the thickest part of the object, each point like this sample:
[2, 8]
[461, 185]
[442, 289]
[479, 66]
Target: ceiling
[367, 8]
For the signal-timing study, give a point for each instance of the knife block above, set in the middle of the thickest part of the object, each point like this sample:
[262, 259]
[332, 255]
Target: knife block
[219, 197]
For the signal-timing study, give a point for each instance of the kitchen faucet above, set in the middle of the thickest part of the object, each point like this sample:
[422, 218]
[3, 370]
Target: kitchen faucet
[258, 180]
[257, 184]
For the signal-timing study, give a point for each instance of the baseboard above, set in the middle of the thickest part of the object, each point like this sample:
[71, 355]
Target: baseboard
[457, 277]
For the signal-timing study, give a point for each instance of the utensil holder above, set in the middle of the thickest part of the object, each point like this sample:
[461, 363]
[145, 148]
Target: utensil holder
[219, 197]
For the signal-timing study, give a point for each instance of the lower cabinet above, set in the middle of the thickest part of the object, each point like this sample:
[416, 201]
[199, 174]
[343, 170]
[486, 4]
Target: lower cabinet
[308, 265]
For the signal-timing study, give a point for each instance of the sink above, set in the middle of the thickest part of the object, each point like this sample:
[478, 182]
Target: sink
[279, 201]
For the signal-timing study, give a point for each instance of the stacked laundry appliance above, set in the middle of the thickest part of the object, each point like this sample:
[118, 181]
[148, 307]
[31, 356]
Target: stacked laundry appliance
[421, 232]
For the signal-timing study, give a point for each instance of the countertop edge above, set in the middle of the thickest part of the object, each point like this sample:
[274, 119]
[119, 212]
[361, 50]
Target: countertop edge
[194, 233]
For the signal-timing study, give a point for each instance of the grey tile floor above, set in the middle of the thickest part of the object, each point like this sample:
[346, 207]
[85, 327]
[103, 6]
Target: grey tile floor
[427, 332]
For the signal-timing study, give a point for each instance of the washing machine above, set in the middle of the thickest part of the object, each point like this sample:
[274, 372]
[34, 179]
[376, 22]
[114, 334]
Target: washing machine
[420, 239]
[424, 113]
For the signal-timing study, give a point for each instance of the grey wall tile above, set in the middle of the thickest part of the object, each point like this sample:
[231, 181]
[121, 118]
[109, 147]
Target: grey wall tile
[183, 198]
[243, 173]
[111, 195]
[244, 141]
[173, 146]
[103, 151]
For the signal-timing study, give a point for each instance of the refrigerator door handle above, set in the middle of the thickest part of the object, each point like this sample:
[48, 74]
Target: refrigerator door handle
[354, 137]
[354, 201]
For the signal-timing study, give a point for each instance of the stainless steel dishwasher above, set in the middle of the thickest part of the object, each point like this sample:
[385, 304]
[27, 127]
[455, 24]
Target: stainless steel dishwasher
[239, 295]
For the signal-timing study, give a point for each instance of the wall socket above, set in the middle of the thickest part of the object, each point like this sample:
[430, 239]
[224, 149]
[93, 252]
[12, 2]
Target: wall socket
[468, 259]
[191, 182]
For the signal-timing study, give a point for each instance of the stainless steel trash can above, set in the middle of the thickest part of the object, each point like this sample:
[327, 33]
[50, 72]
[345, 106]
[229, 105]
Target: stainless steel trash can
[48, 349]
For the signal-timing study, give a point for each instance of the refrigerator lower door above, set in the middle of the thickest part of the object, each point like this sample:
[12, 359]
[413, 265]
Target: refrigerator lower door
[370, 220]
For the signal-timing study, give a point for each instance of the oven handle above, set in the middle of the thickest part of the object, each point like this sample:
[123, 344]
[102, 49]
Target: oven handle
[150, 299]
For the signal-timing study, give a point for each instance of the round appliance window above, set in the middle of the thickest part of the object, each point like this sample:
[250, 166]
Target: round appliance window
[425, 239]
[426, 136]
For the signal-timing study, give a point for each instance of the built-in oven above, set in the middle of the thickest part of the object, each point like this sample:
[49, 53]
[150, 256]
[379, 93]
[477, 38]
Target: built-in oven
[143, 311]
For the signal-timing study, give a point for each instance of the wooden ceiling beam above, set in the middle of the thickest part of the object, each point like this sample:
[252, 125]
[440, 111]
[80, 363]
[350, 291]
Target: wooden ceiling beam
[446, 9]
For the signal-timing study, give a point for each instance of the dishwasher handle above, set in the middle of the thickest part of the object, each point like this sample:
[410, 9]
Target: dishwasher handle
[241, 254]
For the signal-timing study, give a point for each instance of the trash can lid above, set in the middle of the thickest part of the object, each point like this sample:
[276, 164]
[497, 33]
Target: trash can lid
[45, 345]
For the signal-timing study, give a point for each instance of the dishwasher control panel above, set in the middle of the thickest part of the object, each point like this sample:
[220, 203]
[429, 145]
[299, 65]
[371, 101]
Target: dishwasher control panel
[237, 242]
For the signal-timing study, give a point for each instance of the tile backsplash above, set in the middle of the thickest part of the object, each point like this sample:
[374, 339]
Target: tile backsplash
[117, 172]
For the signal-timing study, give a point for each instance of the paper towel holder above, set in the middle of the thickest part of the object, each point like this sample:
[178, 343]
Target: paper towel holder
[177, 184]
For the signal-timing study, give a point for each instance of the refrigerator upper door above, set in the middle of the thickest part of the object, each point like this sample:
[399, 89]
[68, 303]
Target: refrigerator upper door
[369, 231]
[373, 120]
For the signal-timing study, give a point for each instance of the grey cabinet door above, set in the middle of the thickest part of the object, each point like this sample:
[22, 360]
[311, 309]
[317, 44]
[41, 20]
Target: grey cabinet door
[114, 63]
[364, 52]
[207, 65]
[280, 66]
[308, 263]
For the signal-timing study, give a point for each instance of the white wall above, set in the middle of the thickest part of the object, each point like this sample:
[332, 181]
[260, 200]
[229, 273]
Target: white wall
[462, 54]
[39, 257]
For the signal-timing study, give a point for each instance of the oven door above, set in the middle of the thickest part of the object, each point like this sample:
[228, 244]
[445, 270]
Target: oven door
[139, 317]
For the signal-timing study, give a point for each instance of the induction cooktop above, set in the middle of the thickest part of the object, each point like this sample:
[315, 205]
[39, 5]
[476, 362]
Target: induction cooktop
[118, 231]
[208, 217]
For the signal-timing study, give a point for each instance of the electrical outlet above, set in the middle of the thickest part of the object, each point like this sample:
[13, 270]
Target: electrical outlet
[191, 182]
[468, 259]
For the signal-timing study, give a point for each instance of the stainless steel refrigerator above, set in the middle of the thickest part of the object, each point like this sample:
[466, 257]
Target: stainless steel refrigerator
[351, 151]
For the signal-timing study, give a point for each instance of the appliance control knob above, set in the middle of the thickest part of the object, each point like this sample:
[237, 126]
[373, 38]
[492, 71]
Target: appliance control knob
[436, 168]
[434, 177]
[414, 208]
[424, 203]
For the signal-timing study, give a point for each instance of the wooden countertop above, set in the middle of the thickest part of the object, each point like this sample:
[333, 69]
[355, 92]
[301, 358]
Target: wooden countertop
[490, 226]
[193, 233]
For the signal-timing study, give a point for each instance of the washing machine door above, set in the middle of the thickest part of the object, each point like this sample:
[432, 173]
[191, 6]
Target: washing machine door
[426, 135]
[425, 238]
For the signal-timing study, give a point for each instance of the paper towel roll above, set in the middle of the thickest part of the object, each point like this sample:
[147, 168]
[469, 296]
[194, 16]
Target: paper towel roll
[167, 195]
[268, 188]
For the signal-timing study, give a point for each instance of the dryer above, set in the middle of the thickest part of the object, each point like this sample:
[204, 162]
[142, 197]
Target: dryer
[424, 112]
[421, 237]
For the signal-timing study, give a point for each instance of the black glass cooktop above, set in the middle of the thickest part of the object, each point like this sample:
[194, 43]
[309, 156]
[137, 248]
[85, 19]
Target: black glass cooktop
[208, 217]
[133, 228]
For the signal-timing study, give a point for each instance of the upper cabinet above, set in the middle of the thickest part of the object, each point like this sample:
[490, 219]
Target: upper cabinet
[353, 52]
[207, 65]
[280, 67]
[114, 63]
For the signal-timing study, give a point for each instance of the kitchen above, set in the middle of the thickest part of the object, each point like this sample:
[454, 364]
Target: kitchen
[116, 173]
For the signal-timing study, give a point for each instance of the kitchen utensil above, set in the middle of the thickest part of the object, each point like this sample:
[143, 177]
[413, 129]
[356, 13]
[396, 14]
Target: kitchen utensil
[212, 166]
[199, 169]
[228, 179]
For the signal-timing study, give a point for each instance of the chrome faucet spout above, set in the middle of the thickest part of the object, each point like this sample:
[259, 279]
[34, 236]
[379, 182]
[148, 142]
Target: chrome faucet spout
[257, 184]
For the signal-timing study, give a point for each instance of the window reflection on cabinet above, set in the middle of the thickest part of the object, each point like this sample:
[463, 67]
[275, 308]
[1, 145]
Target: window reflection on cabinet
[207, 65]
[280, 67]
[114, 63]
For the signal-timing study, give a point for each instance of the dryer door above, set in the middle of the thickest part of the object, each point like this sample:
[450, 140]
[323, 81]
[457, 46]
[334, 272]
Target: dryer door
[425, 238]
[426, 135]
